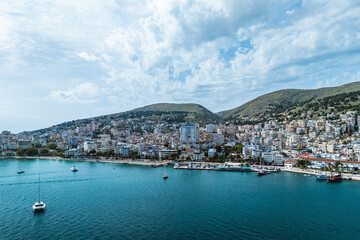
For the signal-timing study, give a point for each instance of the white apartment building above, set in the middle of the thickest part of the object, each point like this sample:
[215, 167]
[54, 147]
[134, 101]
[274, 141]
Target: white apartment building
[275, 157]
[211, 128]
[89, 145]
[189, 134]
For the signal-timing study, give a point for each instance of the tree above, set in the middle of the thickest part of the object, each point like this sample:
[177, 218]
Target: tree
[218, 149]
[37, 145]
[31, 151]
[302, 163]
[52, 146]
[239, 148]
[20, 152]
[337, 164]
[257, 160]
[173, 156]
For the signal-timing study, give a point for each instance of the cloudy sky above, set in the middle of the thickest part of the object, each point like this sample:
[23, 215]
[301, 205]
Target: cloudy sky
[70, 59]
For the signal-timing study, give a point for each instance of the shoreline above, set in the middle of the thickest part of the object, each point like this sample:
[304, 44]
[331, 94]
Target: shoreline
[101, 160]
[348, 176]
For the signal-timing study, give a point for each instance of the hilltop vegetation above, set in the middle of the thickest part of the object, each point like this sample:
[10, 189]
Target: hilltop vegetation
[172, 113]
[295, 101]
[161, 112]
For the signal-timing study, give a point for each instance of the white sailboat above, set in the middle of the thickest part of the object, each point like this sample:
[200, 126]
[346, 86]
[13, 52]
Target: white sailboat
[74, 169]
[39, 206]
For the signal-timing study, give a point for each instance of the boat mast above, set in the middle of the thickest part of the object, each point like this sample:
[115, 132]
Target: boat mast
[39, 187]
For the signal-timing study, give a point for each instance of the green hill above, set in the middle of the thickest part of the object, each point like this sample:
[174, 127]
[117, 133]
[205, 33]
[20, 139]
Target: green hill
[160, 112]
[289, 101]
[181, 111]
[295, 100]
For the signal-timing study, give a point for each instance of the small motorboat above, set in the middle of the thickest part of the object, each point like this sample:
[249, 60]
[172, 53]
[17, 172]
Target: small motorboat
[74, 169]
[321, 177]
[335, 179]
[263, 172]
[165, 176]
[20, 171]
[156, 165]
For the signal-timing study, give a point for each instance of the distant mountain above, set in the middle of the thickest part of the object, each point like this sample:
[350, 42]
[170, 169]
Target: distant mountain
[173, 107]
[297, 100]
[185, 111]
[166, 112]
[289, 101]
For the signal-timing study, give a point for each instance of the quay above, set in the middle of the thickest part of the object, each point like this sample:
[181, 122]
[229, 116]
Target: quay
[348, 176]
[238, 168]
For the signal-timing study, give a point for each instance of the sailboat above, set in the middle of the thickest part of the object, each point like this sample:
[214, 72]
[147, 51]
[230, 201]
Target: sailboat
[74, 169]
[39, 206]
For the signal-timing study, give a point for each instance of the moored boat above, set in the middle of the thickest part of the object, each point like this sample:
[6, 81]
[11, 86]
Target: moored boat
[263, 172]
[165, 176]
[20, 171]
[322, 177]
[335, 179]
[156, 165]
[235, 169]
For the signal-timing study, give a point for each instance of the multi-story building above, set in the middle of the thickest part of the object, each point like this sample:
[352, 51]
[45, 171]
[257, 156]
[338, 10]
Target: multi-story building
[211, 128]
[189, 134]
[273, 157]
[89, 145]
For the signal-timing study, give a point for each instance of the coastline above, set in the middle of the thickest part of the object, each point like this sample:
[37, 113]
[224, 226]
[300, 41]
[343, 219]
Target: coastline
[100, 160]
[348, 176]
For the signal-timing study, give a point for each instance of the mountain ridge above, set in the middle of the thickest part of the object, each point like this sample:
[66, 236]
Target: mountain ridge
[285, 99]
[292, 101]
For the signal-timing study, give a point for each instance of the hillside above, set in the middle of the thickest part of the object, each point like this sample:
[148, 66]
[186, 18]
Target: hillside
[161, 112]
[182, 111]
[295, 100]
[289, 101]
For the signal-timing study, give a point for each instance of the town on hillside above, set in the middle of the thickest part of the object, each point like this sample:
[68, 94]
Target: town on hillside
[318, 141]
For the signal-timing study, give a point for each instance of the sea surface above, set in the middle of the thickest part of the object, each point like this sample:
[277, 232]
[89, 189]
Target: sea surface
[114, 201]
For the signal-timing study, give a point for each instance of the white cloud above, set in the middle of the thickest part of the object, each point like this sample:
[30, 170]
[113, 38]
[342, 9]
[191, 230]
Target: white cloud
[82, 93]
[87, 57]
[216, 53]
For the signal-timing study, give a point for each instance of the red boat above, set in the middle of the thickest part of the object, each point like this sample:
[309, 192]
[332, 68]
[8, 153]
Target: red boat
[335, 179]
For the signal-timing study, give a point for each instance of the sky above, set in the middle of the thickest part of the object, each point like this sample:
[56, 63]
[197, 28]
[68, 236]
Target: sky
[63, 60]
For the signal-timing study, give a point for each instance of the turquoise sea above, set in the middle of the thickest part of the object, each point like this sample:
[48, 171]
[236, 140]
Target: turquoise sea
[113, 201]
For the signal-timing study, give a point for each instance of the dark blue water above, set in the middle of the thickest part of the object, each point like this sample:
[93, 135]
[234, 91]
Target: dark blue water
[111, 201]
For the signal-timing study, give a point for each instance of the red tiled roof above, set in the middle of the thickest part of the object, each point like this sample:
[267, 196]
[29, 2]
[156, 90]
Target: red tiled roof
[330, 160]
[290, 161]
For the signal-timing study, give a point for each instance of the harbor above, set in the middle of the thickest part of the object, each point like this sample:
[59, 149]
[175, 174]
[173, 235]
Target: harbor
[209, 166]
[234, 167]
[114, 201]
